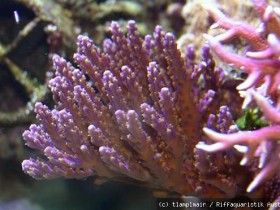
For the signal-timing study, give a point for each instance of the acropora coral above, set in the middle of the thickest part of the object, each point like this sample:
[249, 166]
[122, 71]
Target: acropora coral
[133, 111]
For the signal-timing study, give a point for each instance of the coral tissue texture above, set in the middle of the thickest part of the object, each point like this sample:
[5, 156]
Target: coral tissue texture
[260, 148]
[127, 113]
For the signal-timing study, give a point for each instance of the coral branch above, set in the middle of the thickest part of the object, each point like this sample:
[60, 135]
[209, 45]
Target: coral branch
[262, 65]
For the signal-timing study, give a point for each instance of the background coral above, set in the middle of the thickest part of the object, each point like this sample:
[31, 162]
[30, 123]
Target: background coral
[261, 65]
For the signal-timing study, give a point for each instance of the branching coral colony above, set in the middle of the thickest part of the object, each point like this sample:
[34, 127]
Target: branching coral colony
[135, 112]
[262, 65]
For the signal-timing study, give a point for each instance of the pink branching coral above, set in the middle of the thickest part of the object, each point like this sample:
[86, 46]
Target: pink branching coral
[262, 143]
[262, 65]
[261, 62]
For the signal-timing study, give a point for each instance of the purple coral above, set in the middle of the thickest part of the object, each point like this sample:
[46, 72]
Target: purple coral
[262, 65]
[127, 112]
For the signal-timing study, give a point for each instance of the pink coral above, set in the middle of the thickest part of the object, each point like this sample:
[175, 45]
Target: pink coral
[262, 143]
[262, 66]
[261, 63]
